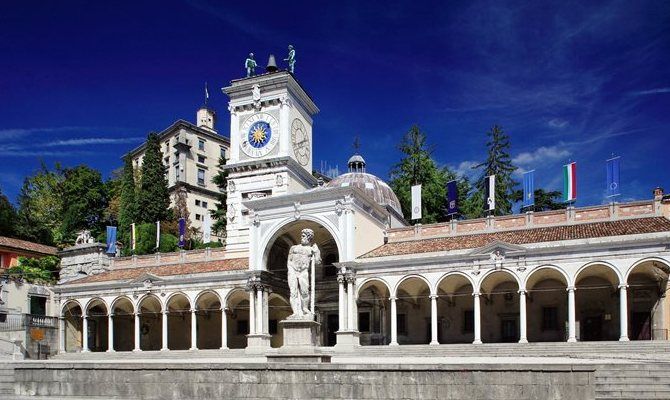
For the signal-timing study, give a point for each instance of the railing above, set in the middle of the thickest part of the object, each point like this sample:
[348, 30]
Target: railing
[19, 322]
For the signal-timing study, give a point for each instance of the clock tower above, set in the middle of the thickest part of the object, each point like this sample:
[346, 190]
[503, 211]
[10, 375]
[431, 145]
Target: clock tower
[270, 146]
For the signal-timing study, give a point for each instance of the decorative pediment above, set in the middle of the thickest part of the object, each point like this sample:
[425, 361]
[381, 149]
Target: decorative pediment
[498, 248]
[146, 280]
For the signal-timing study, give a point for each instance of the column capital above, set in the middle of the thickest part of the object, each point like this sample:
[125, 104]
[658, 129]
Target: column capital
[570, 289]
[623, 286]
[476, 294]
[393, 298]
[523, 292]
[434, 296]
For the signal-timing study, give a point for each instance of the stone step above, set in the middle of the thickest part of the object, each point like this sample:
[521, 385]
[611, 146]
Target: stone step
[629, 395]
[640, 387]
[632, 379]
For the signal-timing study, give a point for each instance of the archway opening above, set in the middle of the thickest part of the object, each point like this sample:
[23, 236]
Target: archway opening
[413, 311]
[279, 309]
[123, 319]
[151, 328]
[179, 322]
[547, 305]
[98, 325]
[647, 301]
[208, 315]
[374, 313]
[72, 315]
[237, 314]
[455, 310]
[500, 308]
[597, 304]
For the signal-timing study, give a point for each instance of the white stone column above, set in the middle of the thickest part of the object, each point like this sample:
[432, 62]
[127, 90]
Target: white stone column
[137, 332]
[252, 312]
[259, 311]
[623, 312]
[110, 333]
[341, 318]
[523, 337]
[394, 323]
[84, 334]
[61, 338]
[266, 310]
[224, 329]
[164, 330]
[572, 325]
[194, 330]
[433, 319]
[351, 305]
[478, 320]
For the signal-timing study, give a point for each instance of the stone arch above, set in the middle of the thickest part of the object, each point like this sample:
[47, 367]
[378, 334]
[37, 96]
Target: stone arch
[500, 315]
[150, 308]
[208, 316]
[179, 320]
[97, 313]
[665, 266]
[647, 288]
[237, 318]
[374, 311]
[547, 303]
[123, 319]
[412, 276]
[535, 271]
[489, 273]
[413, 310]
[455, 308]
[597, 307]
[72, 313]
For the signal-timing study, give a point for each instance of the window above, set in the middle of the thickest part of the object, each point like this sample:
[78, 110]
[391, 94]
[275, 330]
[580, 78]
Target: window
[201, 177]
[201, 159]
[197, 202]
[243, 327]
[201, 144]
[402, 324]
[223, 152]
[197, 217]
[38, 305]
[204, 204]
[167, 160]
[273, 327]
[468, 321]
[364, 321]
[176, 172]
[549, 318]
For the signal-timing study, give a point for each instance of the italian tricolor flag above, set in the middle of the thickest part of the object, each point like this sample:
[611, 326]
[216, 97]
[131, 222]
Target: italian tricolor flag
[570, 182]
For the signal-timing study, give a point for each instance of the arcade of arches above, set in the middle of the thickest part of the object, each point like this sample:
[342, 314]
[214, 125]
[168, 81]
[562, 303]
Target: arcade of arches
[548, 306]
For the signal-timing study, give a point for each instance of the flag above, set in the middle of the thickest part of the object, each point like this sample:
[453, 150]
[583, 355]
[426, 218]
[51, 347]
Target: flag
[416, 202]
[132, 236]
[207, 229]
[570, 182]
[613, 177]
[111, 240]
[490, 193]
[529, 188]
[206, 92]
[452, 197]
[158, 234]
[182, 232]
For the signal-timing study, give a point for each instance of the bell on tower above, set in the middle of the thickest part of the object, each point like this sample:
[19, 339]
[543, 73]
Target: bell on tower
[206, 117]
[356, 162]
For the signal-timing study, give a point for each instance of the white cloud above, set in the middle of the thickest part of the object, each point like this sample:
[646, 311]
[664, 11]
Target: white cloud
[14, 133]
[465, 168]
[89, 141]
[541, 154]
[651, 91]
[558, 123]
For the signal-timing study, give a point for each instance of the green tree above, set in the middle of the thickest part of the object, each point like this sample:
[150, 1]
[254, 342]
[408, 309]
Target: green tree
[84, 199]
[40, 206]
[219, 215]
[153, 198]
[418, 167]
[36, 270]
[7, 216]
[499, 163]
[544, 201]
[127, 213]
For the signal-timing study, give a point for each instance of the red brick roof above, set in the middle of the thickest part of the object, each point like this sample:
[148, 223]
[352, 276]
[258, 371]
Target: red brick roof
[25, 246]
[128, 274]
[525, 236]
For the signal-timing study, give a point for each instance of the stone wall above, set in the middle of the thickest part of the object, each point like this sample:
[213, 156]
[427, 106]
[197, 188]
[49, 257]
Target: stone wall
[317, 381]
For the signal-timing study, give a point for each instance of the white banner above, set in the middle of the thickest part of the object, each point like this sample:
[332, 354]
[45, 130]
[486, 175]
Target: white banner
[207, 228]
[416, 202]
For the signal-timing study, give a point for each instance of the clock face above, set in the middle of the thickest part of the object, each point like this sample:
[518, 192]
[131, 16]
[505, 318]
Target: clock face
[300, 141]
[260, 134]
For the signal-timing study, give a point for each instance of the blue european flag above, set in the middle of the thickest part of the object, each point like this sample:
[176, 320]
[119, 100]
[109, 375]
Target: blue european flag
[111, 240]
[613, 182]
[529, 188]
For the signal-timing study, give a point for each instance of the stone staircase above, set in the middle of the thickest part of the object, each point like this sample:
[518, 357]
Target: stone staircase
[633, 381]
[6, 378]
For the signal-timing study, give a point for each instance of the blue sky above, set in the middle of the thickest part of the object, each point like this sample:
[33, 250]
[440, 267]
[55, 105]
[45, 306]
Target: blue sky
[84, 82]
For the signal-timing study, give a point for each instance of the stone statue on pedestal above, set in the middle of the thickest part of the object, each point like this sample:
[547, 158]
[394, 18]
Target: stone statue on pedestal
[301, 258]
[250, 65]
[291, 59]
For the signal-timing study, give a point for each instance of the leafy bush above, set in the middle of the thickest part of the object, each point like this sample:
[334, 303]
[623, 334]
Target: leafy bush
[36, 270]
[169, 243]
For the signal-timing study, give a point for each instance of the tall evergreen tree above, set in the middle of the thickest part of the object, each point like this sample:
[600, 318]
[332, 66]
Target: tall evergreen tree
[418, 167]
[127, 201]
[40, 207]
[84, 202]
[7, 216]
[499, 163]
[153, 198]
[219, 215]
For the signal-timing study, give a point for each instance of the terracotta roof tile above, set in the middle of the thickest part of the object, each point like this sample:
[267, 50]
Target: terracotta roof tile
[19, 245]
[128, 274]
[525, 236]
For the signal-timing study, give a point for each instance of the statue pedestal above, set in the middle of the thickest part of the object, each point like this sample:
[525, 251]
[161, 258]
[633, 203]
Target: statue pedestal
[347, 339]
[300, 343]
[257, 343]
